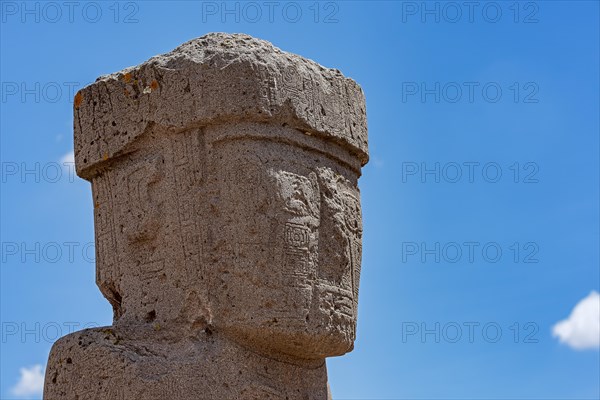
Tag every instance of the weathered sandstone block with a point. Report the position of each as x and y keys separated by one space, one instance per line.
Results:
x=228 y=225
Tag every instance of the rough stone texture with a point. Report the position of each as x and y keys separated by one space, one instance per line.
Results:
x=228 y=225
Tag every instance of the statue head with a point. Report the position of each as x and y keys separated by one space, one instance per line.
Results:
x=225 y=174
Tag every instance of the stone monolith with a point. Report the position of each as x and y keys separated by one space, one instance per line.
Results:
x=227 y=225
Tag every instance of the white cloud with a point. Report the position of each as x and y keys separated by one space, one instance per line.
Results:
x=582 y=329
x=31 y=382
x=68 y=158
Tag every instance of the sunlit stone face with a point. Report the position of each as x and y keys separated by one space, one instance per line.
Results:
x=285 y=238
x=241 y=232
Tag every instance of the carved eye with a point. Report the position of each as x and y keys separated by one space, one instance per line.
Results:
x=352 y=214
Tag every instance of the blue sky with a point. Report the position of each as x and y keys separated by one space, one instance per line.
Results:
x=480 y=202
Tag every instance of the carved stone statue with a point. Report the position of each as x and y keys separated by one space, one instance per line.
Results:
x=228 y=225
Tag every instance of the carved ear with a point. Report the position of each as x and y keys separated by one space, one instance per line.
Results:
x=143 y=214
x=139 y=181
x=352 y=214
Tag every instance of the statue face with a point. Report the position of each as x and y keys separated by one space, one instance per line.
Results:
x=258 y=239
x=285 y=248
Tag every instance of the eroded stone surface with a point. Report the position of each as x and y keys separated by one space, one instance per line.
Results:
x=228 y=225
x=216 y=78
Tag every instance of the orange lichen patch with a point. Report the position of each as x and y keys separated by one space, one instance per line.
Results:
x=154 y=85
x=78 y=100
x=105 y=156
x=126 y=92
x=96 y=205
x=127 y=77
